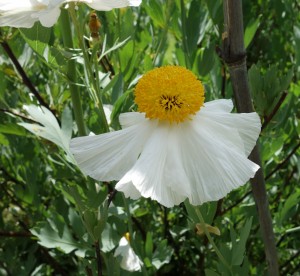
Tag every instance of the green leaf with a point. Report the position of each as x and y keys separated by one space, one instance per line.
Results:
x=239 y=247
x=10 y=128
x=162 y=254
x=49 y=238
x=38 y=38
x=289 y=204
x=250 y=30
x=155 y=11
x=149 y=245
x=209 y=272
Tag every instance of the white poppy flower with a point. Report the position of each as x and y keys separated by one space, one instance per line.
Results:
x=178 y=148
x=129 y=260
x=24 y=13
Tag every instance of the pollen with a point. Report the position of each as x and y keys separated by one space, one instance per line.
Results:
x=169 y=93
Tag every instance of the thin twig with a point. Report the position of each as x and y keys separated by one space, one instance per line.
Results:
x=288 y=262
x=11 y=234
x=274 y=111
x=281 y=164
x=236 y=203
x=98 y=256
x=24 y=76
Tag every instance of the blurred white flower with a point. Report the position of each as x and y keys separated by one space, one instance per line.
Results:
x=129 y=260
x=178 y=148
x=107 y=5
x=24 y=13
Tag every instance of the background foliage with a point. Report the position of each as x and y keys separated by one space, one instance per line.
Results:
x=51 y=214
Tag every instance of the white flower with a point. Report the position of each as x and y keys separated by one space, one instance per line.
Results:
x=129 y=260
x=107 y=5
x=24 y=13
x=179 y=148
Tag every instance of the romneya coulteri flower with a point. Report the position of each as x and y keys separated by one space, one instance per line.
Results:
x=177 y=146
x=129 y=260
x=24 y=13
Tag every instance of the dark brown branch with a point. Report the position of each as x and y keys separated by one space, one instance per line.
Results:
x=98 y=256
x=274 y=111
x=16 y=114
x=24 y=76
x=235 y=57
x=11 y=234
x=88 y=271
x=281 y=164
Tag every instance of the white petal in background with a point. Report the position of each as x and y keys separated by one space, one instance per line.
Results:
x=48 y=128
x=129 y=260
x=24 y=13
x=106 y=5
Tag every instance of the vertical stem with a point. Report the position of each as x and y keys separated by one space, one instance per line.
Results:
x=184 y=35
x=90 y=72
x=235 y=56
x=99 y=261
x=222 y=259
x=127 y=210
x=71 y=73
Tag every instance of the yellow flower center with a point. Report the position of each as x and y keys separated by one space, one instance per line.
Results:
x=169 y=93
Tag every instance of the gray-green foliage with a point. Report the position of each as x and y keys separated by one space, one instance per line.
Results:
x=52 y=215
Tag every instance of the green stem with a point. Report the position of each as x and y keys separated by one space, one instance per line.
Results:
x=127 y=210
x=71 y=73
x=222 y=259
x=95 y=85
x=184 y=35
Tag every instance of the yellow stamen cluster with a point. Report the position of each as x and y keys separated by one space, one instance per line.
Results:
x=169 y=93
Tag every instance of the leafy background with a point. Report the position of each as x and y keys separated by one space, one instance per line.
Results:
x=51 y=214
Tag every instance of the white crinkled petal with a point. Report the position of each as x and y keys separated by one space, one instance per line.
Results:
x=213 y=160
x=247 y=124
x=202 y=160
x=221 y=105
x=148 y=173
x=109 y=156
x=131 y=118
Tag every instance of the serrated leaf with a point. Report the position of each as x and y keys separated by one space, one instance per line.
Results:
x=50 y=239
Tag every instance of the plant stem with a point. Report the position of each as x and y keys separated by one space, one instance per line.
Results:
x=98 y=255
x=24 y=76
x=71 y=73
x=235 y=57
x=184 y=35
x=127 y=210
x=95 y=85
x=222 y=259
